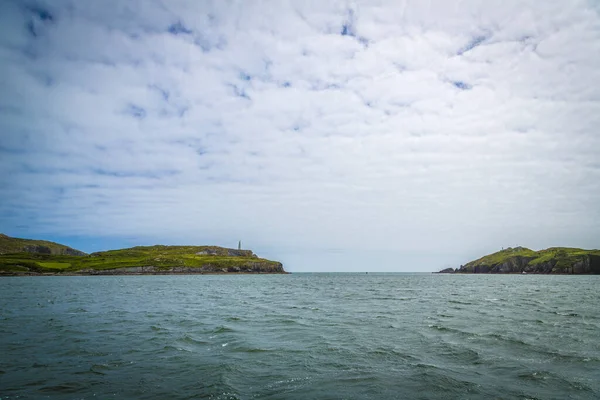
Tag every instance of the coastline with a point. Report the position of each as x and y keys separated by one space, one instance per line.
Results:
x=11 y=274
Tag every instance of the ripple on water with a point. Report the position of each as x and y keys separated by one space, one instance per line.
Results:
x=222 y=329
x=300 y=336
x=188 y=339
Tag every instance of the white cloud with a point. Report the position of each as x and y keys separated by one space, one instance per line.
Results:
x=416 y=134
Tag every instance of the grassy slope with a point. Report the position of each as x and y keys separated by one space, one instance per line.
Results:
x=157 y=256
x=502 y=256
x=11 y=245
x=565 y=256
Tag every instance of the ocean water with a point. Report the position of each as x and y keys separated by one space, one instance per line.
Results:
x=300 y=336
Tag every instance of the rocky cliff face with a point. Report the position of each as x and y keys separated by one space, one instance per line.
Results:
x=62 y=251
x=512 y=265
x=586 y=265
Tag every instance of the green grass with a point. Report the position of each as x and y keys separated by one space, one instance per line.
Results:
x=36 y=262
x=54 y=265
x=503 y=255
x=13 y=269
x=560 y=253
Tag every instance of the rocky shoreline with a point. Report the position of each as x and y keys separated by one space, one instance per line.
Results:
x=254 y=268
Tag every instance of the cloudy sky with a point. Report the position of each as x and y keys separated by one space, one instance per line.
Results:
x=333 y=136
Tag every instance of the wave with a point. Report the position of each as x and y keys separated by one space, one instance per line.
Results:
x=222 y=329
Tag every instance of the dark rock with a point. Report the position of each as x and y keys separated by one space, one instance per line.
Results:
x=41 y=249
x=250 y=267
x=37 y=249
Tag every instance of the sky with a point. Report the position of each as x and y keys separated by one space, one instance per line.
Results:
x=329 y=135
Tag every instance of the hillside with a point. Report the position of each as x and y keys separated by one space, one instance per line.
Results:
x=140 y=260
x=11 y=245
x=555 y=260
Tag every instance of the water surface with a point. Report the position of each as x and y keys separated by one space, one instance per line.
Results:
x=300 y=336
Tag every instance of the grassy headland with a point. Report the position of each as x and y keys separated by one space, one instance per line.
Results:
x=554 y=260
x=136 y=260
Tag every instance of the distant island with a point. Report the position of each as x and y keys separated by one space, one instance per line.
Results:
x=520 y=260
x=39 y=257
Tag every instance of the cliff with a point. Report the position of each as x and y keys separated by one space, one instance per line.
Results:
x=136 y=260
x=518 y=260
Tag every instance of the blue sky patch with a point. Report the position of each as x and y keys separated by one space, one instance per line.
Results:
x=42 y=14
x=476 y=41
x=346 y=30
x=136 y=111
x=461 y=85
x=179 y=29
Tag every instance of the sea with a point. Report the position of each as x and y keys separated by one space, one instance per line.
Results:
x=300 y=336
